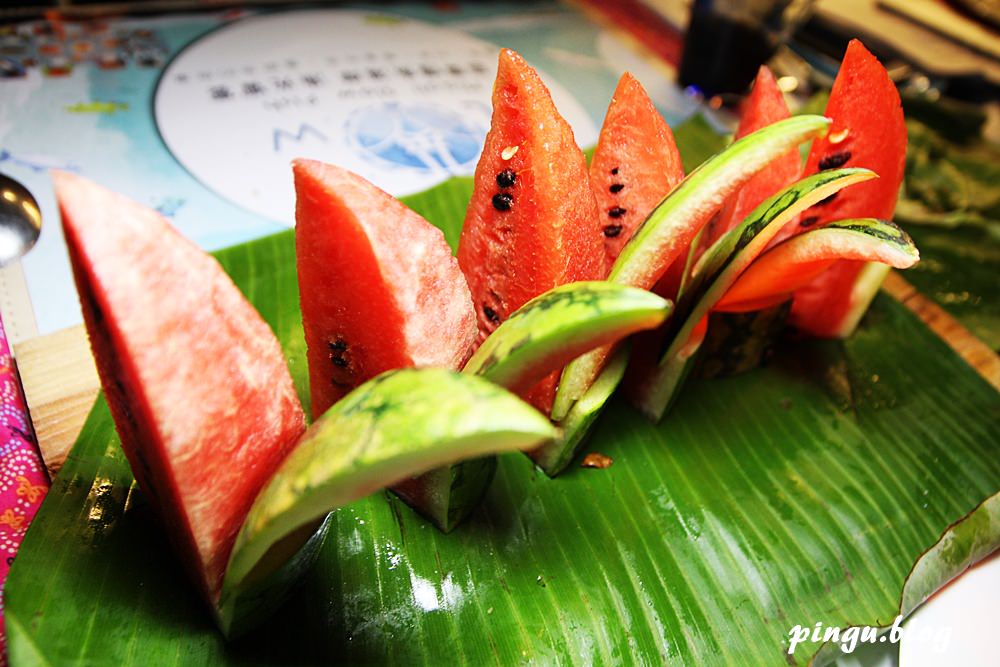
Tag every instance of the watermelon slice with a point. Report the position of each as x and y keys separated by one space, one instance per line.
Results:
x=403 y=300
x=669 y=229
x=764 y=105
x=635 y=164
x=532 y=223
x=196 y=382
x=868 y=131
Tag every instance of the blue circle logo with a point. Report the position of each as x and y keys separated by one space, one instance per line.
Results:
x=424 y=138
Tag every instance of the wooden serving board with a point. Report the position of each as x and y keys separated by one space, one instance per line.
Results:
x=61 y=383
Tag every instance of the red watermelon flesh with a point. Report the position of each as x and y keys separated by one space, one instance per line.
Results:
x=195 y=379
x=404 y=300
x=532 y=222
x=830 y=306
x=763 y=106
x=635 y=164
x=867 y=131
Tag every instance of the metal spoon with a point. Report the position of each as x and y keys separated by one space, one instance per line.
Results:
x=20 y=225
x=20 y=220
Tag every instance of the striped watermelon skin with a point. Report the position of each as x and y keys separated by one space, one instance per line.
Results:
x=868 y=131
x=199 y=390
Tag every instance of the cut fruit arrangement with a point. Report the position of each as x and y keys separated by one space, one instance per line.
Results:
x=417 y=358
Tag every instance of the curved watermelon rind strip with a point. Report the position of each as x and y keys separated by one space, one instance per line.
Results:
x=791 y=264
x=561 y=324
x=399 y=424
x=721 y=266
x=672 y=225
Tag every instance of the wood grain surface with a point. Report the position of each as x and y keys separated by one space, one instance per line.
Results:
x=60 y=384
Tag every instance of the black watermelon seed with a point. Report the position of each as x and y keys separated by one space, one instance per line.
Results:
x=612 y=231
x=506 y=178
x=491 y=314
x=616 y=188
x=502 y=201
x=616 y=211
x=124 y=401
x=614 y=172
x=834 y=160
x=828 y=199
x=809 y=222
x=338 y=353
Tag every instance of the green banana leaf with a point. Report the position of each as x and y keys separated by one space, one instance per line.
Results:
x=951 y=207
x=812 y=490
x=958 y=270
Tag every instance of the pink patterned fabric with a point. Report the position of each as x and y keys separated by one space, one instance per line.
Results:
x=23 y=478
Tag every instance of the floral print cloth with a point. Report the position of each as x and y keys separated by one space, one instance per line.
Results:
x=23 y=478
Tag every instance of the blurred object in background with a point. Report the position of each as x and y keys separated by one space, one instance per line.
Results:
x=937 y=48
x=78 y=9
x=972 y=31
x=728 y=40
x=919 y=40
x=987 y=11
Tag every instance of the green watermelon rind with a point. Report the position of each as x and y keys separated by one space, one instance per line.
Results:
x=880 y=242
x=723 y=263
x=866 y=285
x=446 y=496
x=569 y=319
x=398 y=424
